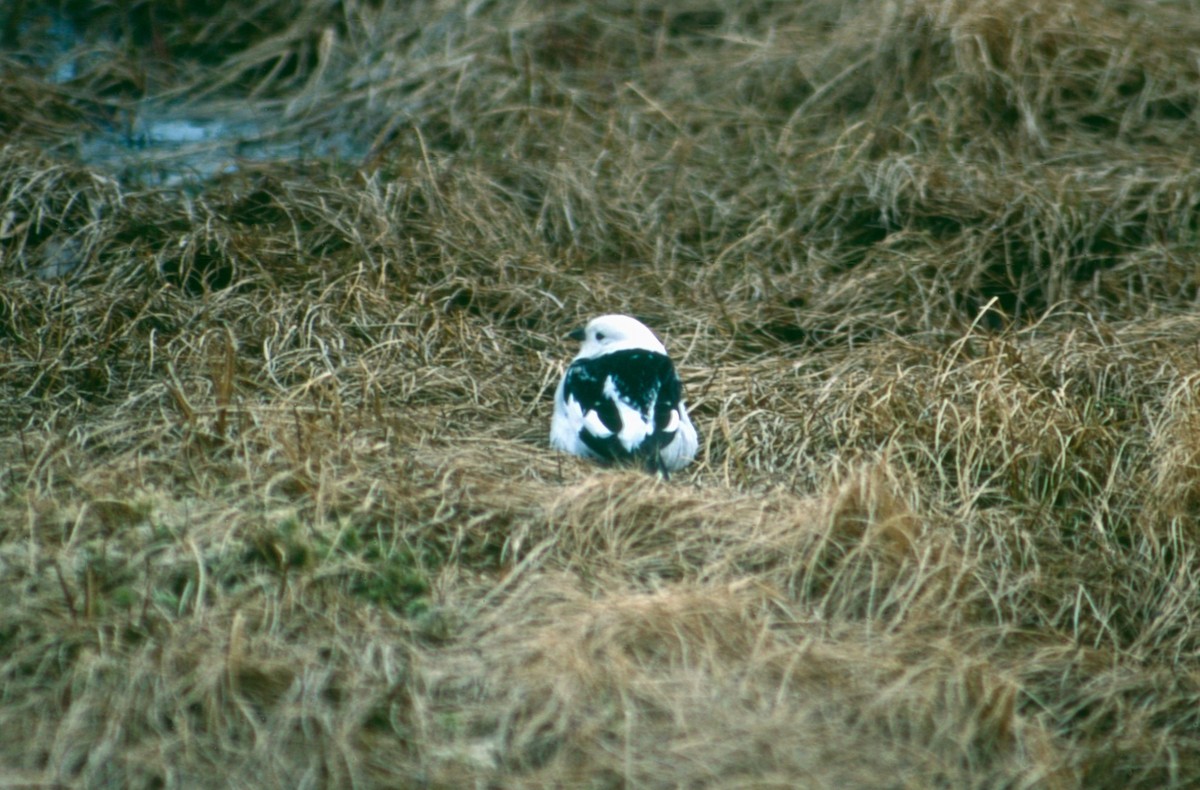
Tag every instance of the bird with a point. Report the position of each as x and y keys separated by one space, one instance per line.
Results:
x=620 y=401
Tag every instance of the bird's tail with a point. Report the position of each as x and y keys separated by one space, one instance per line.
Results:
x=655 y=464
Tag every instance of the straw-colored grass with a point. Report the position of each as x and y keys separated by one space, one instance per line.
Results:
x=278 y=507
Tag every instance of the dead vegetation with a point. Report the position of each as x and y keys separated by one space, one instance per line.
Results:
x=278 y=507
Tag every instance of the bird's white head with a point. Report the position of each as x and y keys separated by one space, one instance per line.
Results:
x=610 y=333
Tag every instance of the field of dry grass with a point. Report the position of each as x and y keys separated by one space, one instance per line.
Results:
x=277 y=507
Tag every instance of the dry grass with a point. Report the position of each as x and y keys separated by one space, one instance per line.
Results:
x=278 y=507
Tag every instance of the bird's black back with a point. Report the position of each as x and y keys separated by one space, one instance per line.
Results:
x=645 y=380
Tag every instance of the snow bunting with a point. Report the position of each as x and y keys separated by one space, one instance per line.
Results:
x=621 y=401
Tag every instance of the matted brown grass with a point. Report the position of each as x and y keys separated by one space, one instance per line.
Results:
x=278 y=507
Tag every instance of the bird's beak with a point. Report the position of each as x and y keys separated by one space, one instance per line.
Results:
x=576 y=335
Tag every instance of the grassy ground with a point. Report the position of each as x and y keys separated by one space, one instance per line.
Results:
x=278 y=507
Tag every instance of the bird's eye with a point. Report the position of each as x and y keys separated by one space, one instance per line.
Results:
x=599 y=335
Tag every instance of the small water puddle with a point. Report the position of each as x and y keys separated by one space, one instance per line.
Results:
x=159 y=143
x=169 y=147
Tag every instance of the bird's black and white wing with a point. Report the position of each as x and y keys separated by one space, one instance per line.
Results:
x=624 y=406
